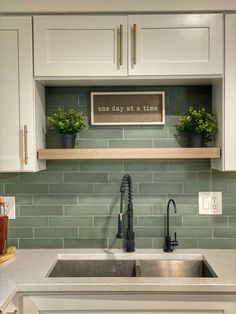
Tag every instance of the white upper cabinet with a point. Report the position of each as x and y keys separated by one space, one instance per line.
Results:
x=80 y=45
x=18 y=98
x=183 y=44
x=134 y=45
x=224 y=101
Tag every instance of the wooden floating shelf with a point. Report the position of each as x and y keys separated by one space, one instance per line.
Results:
x=129 y=153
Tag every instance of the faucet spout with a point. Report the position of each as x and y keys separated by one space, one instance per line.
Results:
x=169 y=243
x=128 y=234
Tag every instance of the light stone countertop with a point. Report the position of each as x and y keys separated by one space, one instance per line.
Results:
x=27 y=273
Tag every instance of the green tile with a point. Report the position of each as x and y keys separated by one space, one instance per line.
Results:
x=41 y=210
x=107 y=221
x=183 y=243
x=130 y=143
x=159 y=221
x=224 y=232
x=100 y=165
x=24 y=199
x=28 y=222
x=9 y=177
x=171 y=121
x=150 y=199
x=62 y=165
x=71 y=188
x=150 y=132
x=111 y=188
x=97 y=232
x=143 y=243
x=158 y=243
x=189 y=165
x=26 y=188
x=145 y=209
x=2 y=189
x=184 y=198
x=56 y=232
x=20 y=233
x=86 y=210
x=137 y=177
x=150 y=188
x=70 y=221
x=193 y=232
x=205 y=221
x=217 y=243
x=56 y=199
x=229 y=210
x=169 y=142
x=187 y=177
x=187 y=243
x=40 y=243
x=197 y=187
x=74 y=177
x=229 y=199
x=149 y=165
x=102 y=133
x=232 y=221
x=86 y=243
x=87 y=143
x=97 y=199
x=149 y=232
x=41 y=177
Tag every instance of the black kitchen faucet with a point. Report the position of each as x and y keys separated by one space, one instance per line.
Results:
x=126 y=233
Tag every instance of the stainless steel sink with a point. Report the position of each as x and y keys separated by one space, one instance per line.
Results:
x=132 y=268
x=176 y=268
x=94 y=268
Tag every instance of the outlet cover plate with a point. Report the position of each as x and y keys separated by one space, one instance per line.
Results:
x=210 y=203
x=10 y=206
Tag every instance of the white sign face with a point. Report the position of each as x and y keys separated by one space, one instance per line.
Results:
x=127 y=108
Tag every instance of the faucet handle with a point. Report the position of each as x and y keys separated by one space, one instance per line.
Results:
x=120 y=234
x=175 y=241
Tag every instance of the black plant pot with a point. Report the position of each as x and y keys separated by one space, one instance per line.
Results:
x=196 y=140
x=67 y=140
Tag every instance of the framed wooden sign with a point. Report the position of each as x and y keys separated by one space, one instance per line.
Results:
x=127 y=108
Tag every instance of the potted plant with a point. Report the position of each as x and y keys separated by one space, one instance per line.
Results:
x=199 y=126
x=67 y=123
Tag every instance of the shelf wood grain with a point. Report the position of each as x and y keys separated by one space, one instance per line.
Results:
x=129 y=153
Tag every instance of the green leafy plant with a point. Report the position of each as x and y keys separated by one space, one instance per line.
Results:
x=198 y=122
x=68 y=121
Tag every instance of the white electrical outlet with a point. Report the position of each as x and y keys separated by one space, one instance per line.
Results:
x=10 y=206
x=210 y=203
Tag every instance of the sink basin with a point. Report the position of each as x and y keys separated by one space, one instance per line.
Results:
x=132 y=268
x=94 y=268
x=175 y=268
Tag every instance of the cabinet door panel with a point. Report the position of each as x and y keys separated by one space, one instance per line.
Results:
x=16 y=101
x=185 y=44
x=127 y=304
x=80 y=45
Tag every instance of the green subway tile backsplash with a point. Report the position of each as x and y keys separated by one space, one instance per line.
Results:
x=74 y=204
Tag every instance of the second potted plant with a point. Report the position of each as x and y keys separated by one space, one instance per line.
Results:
x=199 y=126
x=67 y=124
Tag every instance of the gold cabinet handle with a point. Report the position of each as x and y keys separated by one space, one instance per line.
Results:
x=133 y=44
x=120 y=45
x=25 y=134
x=14 y=312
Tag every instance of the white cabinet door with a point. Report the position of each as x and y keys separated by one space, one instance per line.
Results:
x=184 y=44
x=224 y=101
x=128 y=304
x=80 y=46
x=17 y=96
